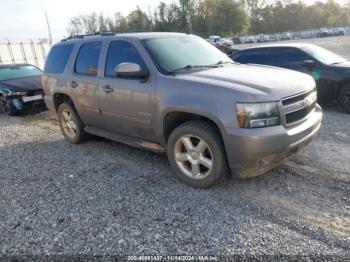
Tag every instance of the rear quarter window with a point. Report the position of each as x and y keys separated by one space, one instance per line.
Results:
x=238 y=57
x=57 y=59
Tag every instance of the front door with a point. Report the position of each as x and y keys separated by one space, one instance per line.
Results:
x=127 y=104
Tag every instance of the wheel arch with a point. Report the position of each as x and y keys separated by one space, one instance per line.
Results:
x=60 y=98
x=174 y=118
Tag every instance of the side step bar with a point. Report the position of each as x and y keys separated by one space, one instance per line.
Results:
x=128 y=140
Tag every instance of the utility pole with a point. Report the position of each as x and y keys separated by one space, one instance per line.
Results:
x=48 y=26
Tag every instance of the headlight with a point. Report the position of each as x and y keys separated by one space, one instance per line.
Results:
x=252 y=115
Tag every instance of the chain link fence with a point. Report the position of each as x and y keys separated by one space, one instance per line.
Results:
x=30 y=51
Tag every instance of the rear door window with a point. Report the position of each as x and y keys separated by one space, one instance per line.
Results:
x=285 y=55
x=121 y=52
x=57 y=59
x=255 y=57
x=88 y=57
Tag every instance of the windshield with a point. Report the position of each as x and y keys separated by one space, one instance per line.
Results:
x=323 y=55
x=188 y=51
x=13 y=72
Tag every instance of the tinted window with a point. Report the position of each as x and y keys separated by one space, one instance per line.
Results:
x=238 y=57
x=87 y=59
x=278 y=55
x=58 y=58
x=255 y=57
x=121 y=52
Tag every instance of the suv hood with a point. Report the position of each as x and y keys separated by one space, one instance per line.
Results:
x=265 y=83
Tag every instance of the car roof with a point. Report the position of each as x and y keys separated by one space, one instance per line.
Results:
x=138 y=36
x=295 y=45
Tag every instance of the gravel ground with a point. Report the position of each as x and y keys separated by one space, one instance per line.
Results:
x=104 y=198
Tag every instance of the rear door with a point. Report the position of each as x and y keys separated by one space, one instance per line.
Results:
x=127 y=104
x=83 y=82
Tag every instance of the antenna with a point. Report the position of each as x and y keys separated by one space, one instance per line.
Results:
x=48 y=26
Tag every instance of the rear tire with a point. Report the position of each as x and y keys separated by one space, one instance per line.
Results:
x=71 y=126
x=344 y=99
x=196 y=154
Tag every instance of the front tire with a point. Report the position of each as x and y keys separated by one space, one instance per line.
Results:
x=6 y=107
x=71 y=125
x=196 y=154
x=344 y=99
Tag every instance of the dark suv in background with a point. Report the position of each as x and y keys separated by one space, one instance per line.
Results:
x=330 y=71
x=177 y=93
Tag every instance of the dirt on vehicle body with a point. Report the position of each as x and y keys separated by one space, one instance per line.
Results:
x=208 y=113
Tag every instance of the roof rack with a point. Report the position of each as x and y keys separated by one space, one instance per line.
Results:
x=88 y=35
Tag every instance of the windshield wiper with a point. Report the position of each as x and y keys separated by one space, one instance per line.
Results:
x=192 y=67
x=224 y=62
x=221 y=63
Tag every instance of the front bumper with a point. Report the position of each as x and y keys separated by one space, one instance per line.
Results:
x=19 y=103
x=252 y=152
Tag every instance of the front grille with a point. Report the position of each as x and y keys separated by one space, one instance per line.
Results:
x=298 y=107
x=293 y=99
x=295 y=116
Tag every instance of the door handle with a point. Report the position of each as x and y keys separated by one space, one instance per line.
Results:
x=107 y=89
x=73 y=84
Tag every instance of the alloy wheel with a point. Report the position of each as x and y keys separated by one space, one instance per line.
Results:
x=193 y=156
x=68 y=124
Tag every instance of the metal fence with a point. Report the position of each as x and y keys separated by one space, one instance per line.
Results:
x=31 y=52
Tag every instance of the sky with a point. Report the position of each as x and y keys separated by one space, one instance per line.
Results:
x=23 y=19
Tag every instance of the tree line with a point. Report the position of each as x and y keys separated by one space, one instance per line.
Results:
x=218 y=17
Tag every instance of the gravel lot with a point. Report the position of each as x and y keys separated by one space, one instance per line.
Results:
x=104 y=198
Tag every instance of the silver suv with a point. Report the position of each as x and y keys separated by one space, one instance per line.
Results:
x=176 y=93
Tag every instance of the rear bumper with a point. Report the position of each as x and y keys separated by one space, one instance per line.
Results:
x=252 y=152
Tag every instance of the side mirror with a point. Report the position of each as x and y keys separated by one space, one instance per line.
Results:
x=309 y=64
x=131 y=70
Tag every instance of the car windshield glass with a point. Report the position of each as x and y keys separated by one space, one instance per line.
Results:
x=184 y=52
x=323 y=55
x=13 y=72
